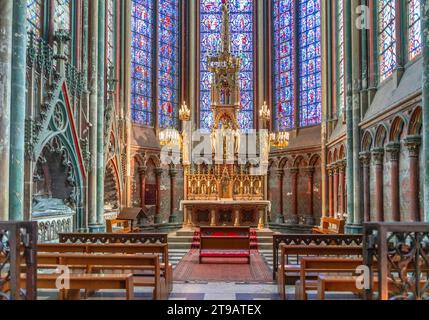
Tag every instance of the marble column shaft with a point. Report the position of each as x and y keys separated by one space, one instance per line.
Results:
x=336 y=183
x=413 y=144
x=365 y=158
x=18 y=110
x=101 y=82
x=330 y=191
x=93 y=114
x=158 y=175
x=393 y=151
x=6 y=18
x=378 y=156
x=294 y=180
x=425 y=96
x=142 y=173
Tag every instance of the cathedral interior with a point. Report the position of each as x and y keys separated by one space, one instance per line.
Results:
x=271 y=115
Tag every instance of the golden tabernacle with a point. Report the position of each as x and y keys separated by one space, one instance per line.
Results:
x=226 y=191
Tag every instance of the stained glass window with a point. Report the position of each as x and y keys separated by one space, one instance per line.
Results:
x=141 y=62
x=414 y=29
x=241 y=44
x=387 y=37
x=168 y=74
x=34 y=15
x=62 y=19
x=340 y=57
x=110 y=25
x=283 y=72
x=310 y=81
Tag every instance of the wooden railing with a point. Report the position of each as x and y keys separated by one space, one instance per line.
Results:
x=18 y=245
x=311 y=239
x=401 y=253
x=113 y=237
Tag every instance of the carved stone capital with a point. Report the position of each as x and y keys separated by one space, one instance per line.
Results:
x=378 y=155
x=365 y=158
x=330 y=170
x=142 y=170
x=309 y=172
x=173 y=172
x=413 y=144
x=293 y=171
x=158 y=172
x=393 y=150
x=280 y=173
x=342 y=165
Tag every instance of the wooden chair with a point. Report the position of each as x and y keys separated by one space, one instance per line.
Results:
x=330 y=226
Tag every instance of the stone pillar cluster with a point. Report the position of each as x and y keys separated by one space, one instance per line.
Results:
x=337 y=188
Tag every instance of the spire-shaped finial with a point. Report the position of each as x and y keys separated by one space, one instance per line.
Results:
x=226 y=42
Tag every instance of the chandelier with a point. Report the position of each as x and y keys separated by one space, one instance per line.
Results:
x=170 y=137
x=184 y=113
x=277 y=139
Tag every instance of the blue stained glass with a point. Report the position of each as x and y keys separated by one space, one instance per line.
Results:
x=168 y=75
x=310 y=68
x=387 y=37
x=283 y=72
x=34 y=14
x=141 y=62
x=414 y=29
x=241 y=41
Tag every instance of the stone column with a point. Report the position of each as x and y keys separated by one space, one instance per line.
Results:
x=393 y=150
x=158 y=175
x=173 y=207
x=335 y=200
x=378 y=156
x=280 y=176
x=413 y=144
x=18 y=108
x=365 y=158
x=262 y=220
x=293 y=219
x=6 y=18
x=93 y=116
x=236 y=217
x=309 y=219
x=213 y=217
x=330 y=190
x=142 y=175
x=424 y=5
x=100 y=111
x=342 y=187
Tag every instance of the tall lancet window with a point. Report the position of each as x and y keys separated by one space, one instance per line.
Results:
x=110 y=26
x=341 y=85
x=414 y=29
x=296 y=63
x=142 y=28
x=310 y=86
x=62 y=19
x=283 y=26
x=386 y=38
x=34 y=16
x=168 y=74
x=242 y=44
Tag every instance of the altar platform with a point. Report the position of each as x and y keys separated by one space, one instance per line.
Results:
x=226 y=212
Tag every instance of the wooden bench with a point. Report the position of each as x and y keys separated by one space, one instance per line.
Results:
x=292 y=271
x=129 y=248
x=225 y=242
x=314 y=265
x=90 y=261
x=311 y=240
x=330 y=226
x=87 y=282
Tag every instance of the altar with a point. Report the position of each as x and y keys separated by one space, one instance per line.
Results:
x=237 y=213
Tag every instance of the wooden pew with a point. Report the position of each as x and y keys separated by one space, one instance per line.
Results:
x=311 y=239
x=89 y=261
x=330 y=225
x=225 y=242
x=316 y=265
x=287 y=270
x=87 y=282
x=129 y=248
x=143 y=238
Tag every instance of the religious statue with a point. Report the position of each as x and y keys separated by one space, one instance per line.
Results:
x=237 y=141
